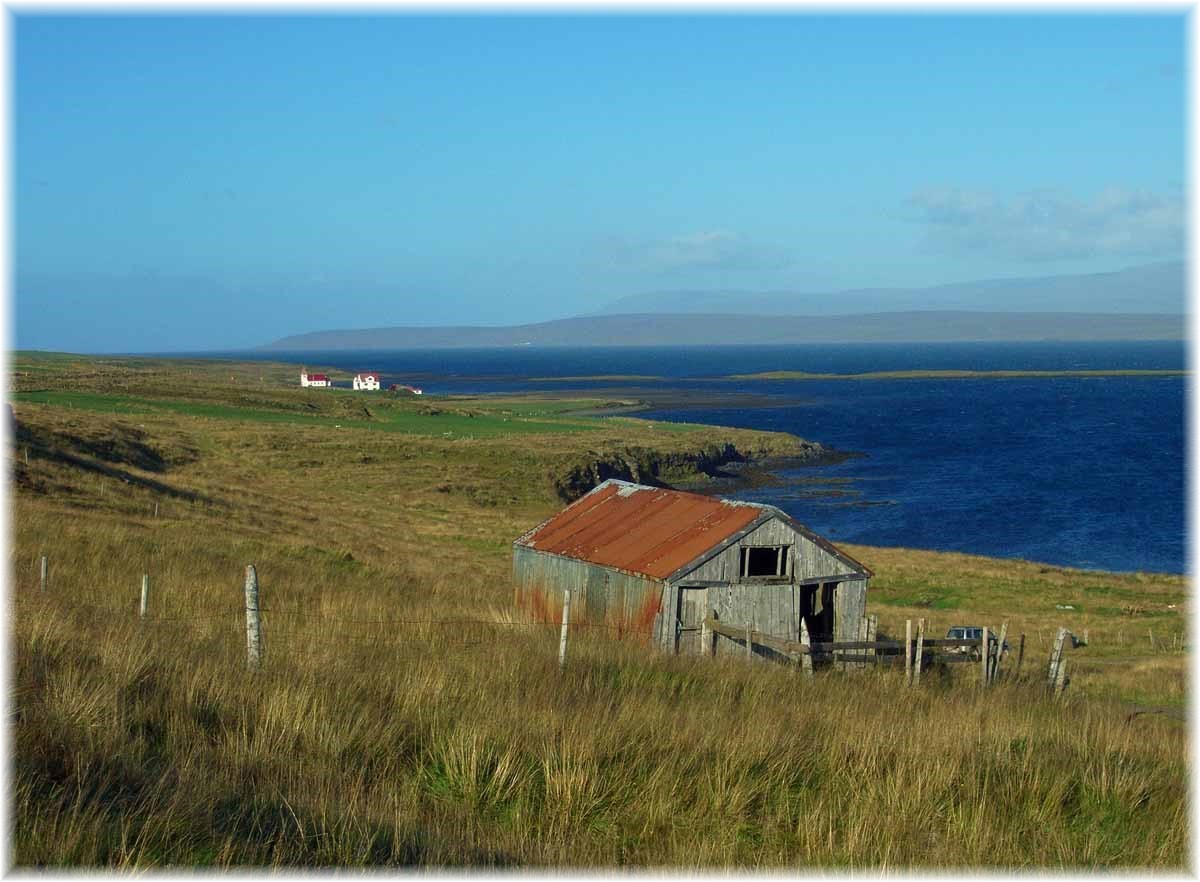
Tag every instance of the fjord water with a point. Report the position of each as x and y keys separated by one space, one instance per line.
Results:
x=1085 y=472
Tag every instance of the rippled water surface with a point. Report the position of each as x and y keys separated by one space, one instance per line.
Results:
x=1079 y=472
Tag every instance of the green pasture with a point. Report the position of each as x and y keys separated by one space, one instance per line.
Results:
x=384 y=419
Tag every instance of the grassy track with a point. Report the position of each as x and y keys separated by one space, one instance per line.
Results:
x=406 y=715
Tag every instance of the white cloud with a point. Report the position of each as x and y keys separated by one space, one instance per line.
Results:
x=1050 y=224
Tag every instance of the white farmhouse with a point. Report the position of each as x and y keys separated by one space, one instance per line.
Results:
x=367 y=381
x=307 y=379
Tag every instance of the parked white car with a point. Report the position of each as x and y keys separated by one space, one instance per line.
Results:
x=971 y=632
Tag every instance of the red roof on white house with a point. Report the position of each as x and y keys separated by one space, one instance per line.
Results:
x=312 y=377
x=371 y=374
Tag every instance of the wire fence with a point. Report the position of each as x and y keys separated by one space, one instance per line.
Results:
x=314 y=628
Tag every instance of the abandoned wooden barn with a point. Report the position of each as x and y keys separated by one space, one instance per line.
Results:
x=652 y=563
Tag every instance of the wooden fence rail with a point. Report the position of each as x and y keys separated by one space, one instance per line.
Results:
x=791 y=647
x=988 y=650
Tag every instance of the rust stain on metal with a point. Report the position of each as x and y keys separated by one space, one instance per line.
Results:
x=644 y=530
x=545 y=605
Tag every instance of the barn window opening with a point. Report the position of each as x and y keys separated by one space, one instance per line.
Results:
x=764 y=561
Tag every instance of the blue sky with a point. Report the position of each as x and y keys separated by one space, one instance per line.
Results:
x=217 y=182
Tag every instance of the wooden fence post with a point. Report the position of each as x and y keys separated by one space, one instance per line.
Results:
x=562 y=640
x=253 y=623
x=1020 y=656
x=156 y=509
x=908 y=652
x=145 y=604
x=806 y=659
x=45 y=571
x=916 y=680
x=1056 y=658
x=1060 y=678
x=749 y=641
x=985 y=656
x=872 y=632
x=999 y=651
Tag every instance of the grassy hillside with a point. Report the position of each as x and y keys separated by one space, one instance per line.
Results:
x=407 y=715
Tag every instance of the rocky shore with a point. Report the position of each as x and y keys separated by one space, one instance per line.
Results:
x=717 y=467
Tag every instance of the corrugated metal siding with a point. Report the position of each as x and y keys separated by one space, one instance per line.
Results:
x=628 y=605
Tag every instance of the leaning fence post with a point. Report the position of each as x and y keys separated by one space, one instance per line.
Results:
x=562 y=640
x=145 y=604
x=45 y=571
x=1060 y=678
x=749 y=640
x=999 y=651
x=806 y=659
x=908 y=652
x=1020 y=657
x=1056 y=657
x=253 y=623
x=920 y=652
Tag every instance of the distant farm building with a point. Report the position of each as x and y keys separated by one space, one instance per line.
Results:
x=396 y=388
x=369 y=382
x=307 y=379
x=654 y=563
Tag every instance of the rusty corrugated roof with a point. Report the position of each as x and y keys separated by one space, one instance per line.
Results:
x=654 y=532
x=645 y=530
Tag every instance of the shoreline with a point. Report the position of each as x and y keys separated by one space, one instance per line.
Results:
x=260 y=394
x=963 y=374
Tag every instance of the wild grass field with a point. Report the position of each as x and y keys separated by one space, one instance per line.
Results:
x=406 y=715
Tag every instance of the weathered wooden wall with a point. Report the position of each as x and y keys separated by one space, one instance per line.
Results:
x=849 y=606
x=774 y=607
x=809 y=561
x=628 y=605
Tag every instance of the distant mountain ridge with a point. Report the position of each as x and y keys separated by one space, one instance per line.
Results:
x=1154 y=288
x=717 y=329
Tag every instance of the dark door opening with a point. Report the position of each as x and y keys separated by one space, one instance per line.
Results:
x=816 y=610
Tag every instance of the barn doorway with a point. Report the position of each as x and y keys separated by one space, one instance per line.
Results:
x=689 y=619
x=816 y=610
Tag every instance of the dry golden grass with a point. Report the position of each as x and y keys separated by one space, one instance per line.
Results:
x=373 y=736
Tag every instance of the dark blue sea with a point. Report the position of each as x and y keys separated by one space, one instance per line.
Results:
x=1078 y=472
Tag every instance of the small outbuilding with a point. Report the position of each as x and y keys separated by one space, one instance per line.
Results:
x=652 y=564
